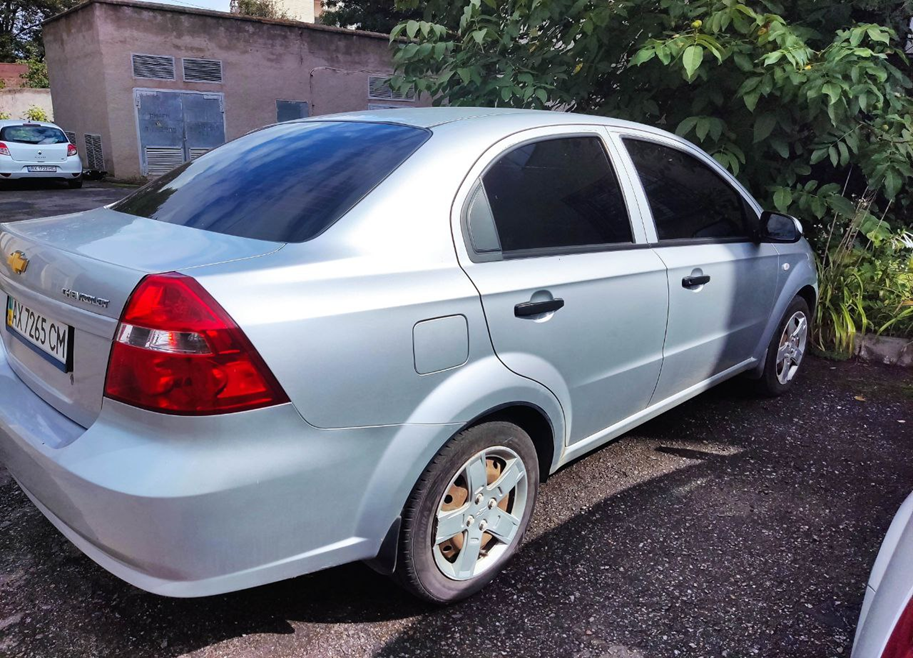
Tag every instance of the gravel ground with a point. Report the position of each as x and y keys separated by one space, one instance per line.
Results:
x=731 y=526
x=29 y=199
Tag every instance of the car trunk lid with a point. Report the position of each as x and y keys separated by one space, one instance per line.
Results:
x=80 y=273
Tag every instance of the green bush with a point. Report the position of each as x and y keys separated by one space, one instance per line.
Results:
x=810 y=109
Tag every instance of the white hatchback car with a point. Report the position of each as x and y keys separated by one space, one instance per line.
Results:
x=35 y=149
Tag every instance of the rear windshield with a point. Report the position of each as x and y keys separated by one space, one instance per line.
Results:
x=286 y=183
x=32 y=135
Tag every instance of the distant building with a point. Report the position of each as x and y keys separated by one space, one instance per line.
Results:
x=15 y=98
x=143 y=87
x=306 y=11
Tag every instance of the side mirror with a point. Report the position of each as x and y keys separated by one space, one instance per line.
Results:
x=776 y=227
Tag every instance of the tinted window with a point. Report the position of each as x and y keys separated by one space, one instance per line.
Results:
x=557 y=193
x=286 y=183
x=32 y=135
x=687 y=198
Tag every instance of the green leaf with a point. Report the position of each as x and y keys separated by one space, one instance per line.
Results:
x=412 y=29
x=691 y=59
x=465 y=75
x=751 y=100
x=892 y=183
x=703 y=127
x=841 y=205
x=506 y=93
x=685 y=126
x=439 y=50
x=479 y=35
x=818 y=155
x=542 y=95
x=780 y=146
x=832 y=90
x=643 y=55
x=834 y=155
x=743 y=61
x=782 y=199
x=763 y=126
x=877 y=34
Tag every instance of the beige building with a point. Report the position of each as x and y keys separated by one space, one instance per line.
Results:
x=143 y=87
x=306 y=11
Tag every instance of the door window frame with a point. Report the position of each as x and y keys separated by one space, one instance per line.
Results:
x=618 y=135
x=522 y=138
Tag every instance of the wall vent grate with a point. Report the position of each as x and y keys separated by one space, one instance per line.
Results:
x=162 y=159
x=196 y=153
x=70 y=136
x=379 y=89
x=153 y=67
x=95 y=158
x=202 y=70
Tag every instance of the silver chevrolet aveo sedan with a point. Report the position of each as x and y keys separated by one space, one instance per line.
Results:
x=371 y=336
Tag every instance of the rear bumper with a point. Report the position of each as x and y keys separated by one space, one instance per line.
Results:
x=13 y=170
x=198 y=506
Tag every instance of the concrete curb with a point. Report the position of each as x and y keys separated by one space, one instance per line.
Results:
x=885 y=349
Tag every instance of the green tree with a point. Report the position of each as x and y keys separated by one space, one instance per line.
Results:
x=258 y=9
x=37 y=75
x=372 y=15
x=791 y=107
x=20 y=26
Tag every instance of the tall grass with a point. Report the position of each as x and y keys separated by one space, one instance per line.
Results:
x=865 y=278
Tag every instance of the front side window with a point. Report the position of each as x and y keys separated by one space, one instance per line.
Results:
x=285 y=183
x=555 y=194
x=38 y=135
x=689 y=200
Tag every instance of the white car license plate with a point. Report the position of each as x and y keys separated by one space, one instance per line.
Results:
x=50 y=338
x=35 y=170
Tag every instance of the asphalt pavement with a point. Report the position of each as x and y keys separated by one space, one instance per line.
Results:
x=732 y=526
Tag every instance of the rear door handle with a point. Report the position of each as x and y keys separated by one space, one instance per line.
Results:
x=695 y=281
x=537 y=308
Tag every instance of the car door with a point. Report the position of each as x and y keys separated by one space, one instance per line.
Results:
x=722 y=281
x=573 y=297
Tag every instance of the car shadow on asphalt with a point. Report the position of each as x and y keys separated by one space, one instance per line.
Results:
x=711 y=527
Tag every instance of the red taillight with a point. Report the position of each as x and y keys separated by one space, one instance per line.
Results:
x=71 y=150
x=177 y=351
x=4 y=149
x=900 y=645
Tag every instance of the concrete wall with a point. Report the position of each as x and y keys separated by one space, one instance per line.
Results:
x=11 y=75
x=16 y=102
x=77 y=76
x=262 y=61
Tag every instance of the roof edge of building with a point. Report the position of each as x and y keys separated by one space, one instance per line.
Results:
x=154 y=6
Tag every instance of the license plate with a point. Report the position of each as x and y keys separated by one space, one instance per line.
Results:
x=50 y=338
x=35 y=170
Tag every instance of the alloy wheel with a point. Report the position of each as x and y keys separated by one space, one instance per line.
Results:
x=479 y=514
x=792 y=347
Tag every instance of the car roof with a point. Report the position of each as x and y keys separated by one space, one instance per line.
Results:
x=480 y=124
x=26 y=122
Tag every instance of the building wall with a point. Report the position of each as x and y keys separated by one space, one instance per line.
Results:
x=16 y=102
x=262 y=62
x=77 y=76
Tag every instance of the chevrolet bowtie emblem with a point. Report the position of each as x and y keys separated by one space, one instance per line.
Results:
x=18 y=262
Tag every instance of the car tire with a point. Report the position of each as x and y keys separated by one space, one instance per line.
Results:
x=452 y=491
x=74 y=184
x=787 y=349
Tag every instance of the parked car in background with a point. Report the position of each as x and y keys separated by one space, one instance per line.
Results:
x=370 y=336
x=37 y=149
x=885 y=627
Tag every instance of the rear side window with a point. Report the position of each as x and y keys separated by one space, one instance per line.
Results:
x=555 y=194
x=286 y=183
x=39 y=135
x=689 y=200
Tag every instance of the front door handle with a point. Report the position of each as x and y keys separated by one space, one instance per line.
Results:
x=537 y=308
x=695 y=281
